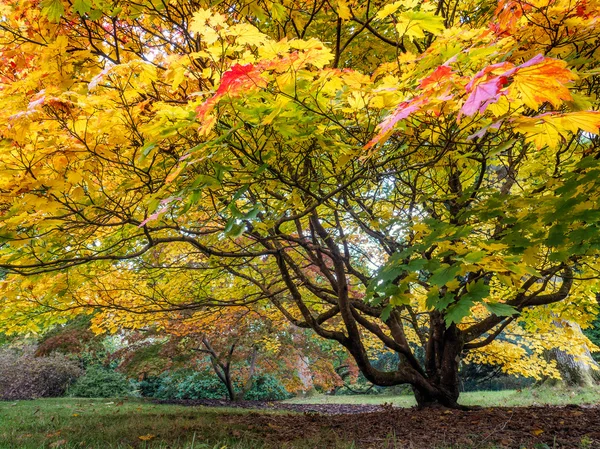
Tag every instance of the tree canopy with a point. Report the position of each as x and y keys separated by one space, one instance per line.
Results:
x=420 y=176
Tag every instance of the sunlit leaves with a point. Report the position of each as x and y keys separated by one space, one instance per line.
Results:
x=82 y=7
x=53 y=9
x=414 y=24
x=449 y=156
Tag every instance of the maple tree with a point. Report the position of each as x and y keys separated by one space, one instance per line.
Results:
x=403 y=175
x=236 y=344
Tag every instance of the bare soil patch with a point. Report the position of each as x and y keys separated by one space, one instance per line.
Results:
x=377 y=427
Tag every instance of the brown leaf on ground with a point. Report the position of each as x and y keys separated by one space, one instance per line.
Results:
x=381 y=428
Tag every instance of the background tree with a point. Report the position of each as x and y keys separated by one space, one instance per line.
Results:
x=426 y=179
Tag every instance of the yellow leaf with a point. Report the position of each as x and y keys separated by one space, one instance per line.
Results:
x=199 y=20
x=388 y=10
x=543 y=82
x=147 y=437
x=574 y=121
x=247 y=34
x=415 y=24
x=343 y=10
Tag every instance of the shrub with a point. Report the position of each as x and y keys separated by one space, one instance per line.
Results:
x=186 y=385
x=148 y=387
x=201 y=385
x=24 y=376
x=205 y=385
x=101 y=382
x=267 y=388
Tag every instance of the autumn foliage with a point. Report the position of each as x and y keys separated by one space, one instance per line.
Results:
x=416 y=176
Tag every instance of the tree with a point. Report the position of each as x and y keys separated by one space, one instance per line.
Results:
x=166 y=329
x=423 y=175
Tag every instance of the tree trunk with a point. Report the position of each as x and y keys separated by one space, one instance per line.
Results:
x=250 y=380
x=442 y=359
x=575 y=373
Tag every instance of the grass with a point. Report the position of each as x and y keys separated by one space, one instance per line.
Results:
x=68 y=423
x=506 y=398
x=71 y=423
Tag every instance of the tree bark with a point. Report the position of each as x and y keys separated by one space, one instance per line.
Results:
x=442 y=359
x=574 y=372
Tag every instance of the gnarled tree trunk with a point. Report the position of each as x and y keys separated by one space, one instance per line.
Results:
x=442 y=359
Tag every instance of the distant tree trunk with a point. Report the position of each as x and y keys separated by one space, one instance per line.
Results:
x=250 y=380
x=574 y=372
x=304 y=374
x=221 y=364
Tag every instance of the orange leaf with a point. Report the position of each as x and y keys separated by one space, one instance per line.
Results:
x=442 y=73
x=543 y=82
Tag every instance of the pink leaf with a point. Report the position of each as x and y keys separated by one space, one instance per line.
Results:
x=152 y=217
x=403 y=110
x=483 y=95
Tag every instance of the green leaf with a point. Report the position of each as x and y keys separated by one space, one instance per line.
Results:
x=500 y=309
x=474 y=256
x=386 y=312
x=438 y=303
x=417 y=264
x=236 y=230
x=556 y=236
x=240 y=193
x=82 y=7
x=445 y=274
x=251 y=214
x=95 y=14
x=193 y=199
x=53 y=9
x=477 y=291
x=146 y=149
x=456 y=312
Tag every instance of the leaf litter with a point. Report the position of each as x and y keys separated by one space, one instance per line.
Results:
x=372 y=426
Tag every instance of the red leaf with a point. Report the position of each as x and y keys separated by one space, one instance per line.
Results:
x=488 y=92
x=440 y=74
x=235 y=77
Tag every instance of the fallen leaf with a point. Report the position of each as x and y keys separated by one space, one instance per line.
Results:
x=146 y=437
x=537 y=432
x=58 y=443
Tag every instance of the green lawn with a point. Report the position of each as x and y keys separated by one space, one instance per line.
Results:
x=506 y=398
x=68 y=423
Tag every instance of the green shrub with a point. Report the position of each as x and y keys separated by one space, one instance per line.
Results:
x=267 y=388
x=205 y=385
x=149 y=386
x=101 y=382
x=187 y=385
x=201 y=385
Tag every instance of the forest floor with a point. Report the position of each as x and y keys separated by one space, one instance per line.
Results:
x=69 y=423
